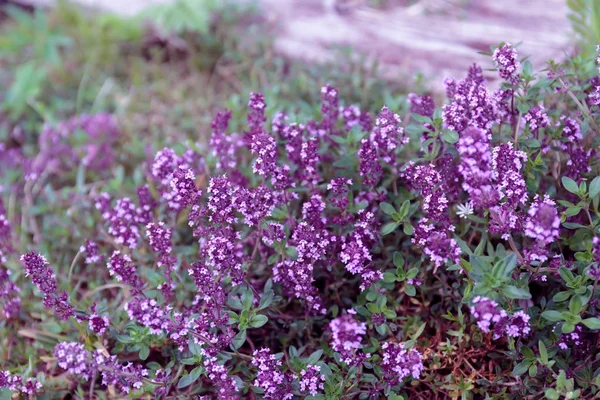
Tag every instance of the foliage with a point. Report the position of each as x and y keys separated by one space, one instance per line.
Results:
x=585 y=21
x=350 y=243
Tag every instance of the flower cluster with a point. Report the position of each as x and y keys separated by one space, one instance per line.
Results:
x=433 y=233
x=285 y=224
x=472 y=104
x=42 y=276
x=269 y=379
x=398 y=363
x=507 y=62
x=490 y=316
x=9 y=295
x=94 y=137
x=542 y=225
x=27 y=386
x=311 y=380
x=347 y=335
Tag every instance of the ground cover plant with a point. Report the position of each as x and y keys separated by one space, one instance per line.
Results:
x=330 y=246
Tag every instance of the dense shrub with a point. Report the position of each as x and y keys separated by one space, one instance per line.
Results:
x=417 y=253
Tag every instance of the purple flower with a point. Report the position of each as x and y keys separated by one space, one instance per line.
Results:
x=58 y=153
x=487 y=312
x=125 y=378
x=221 y=200
x=121 y=267
x=388 y=135
x=255 y=204
x=579 y=158
x=183 y=191
x=347 y=335
x=504 y=221
x=60 y=304
x=297 y=279
x=275 y=384
x=29 y=386
x=353 y=116
x=274 y=233
x=223 y=146
x=92 y=252
x=543 y=222
x=422 y=105
x=472 y=104
x=264 y=147
x=369 y=167
x=329 y=108
x=165 y=162
x=398 y=363
x=518 y=325
x=209 y=289
x=98 y=324
x=475 y=167
x=256 y=115
x=9 y=295
x=42 y=276
x=147 y=205
x=506 y=171
x=506 y=60
x=311 y=380
x=122 y=224
x=536 y=118
x=148 y=313
x=75 y=359
x=309 y=161
x=339 y=188
x=159 y=237
x=437 y=243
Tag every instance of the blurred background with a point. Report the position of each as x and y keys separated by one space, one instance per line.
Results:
x=163 y=66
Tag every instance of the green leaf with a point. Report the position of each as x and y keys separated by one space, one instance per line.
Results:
x=412 y=273
x=144 y=352
x=561 y=296
x=408 y=229
x=192 y=377
x=505 y=267
x=527 y=68
x=266 y=300
x=533 y=370
x=374 y=308
x=450 y=137
x=389 y=228
x=410 y=290
x=552 y=315
x=387 y=208
x=398 y=260
x=566 y=275
x=315 y=357
x=521 y=367
x=575 y=305
x=419 y=331
x=513 y=292
x=404 y=209
x=258 y=321
x=567 y=327
x=570 y=185
x=421 y=118
x=195 y=348
x=239 y=340
x=389 y=277
x=592 y=323
x=543 y=352
x=551 y=394
x=595 y=187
